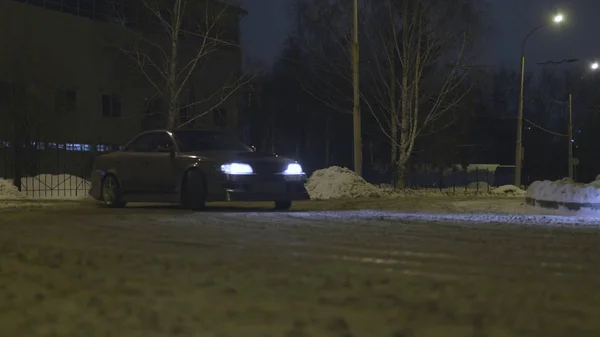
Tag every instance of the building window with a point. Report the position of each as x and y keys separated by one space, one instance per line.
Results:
x=65 y=101
x=184 y=115
x=111 y=106
x=220 y=117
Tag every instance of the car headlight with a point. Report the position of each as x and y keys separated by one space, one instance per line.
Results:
x=236 y=169
x=293 y=168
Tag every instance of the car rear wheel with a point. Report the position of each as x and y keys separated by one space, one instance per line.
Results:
x=194 y=195
x=283 y=205
x=111 y=192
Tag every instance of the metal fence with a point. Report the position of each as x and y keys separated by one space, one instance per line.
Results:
x=52 y=170
x=62 y=170
x=453 y=180
x=461 y=181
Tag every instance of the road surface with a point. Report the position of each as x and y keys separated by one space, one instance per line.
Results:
x=161 y=271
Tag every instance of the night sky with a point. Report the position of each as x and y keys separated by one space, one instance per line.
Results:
x=267 y=25
x=265 y=28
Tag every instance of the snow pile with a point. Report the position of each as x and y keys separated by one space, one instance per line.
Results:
x=8 y=190
x=508 y=190
x=339 y=182
x=46 y=186
x=565 y=191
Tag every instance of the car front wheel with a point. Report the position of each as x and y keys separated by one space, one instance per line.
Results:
x=283 y=205
x=111 y=192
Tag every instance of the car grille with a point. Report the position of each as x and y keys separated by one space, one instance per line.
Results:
x=268 y=168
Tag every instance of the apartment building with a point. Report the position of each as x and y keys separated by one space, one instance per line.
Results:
x=74 y=53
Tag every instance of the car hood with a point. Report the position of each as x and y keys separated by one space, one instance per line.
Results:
x=243 y=157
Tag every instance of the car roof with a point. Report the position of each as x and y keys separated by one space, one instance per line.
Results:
x=180 y=131
x=208 y=131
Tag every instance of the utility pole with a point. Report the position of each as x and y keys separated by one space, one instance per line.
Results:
x=519 y=149
x=570 y=133
x=356 y=108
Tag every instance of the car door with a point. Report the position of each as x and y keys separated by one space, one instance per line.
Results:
x=132 y=165
x=160 y=164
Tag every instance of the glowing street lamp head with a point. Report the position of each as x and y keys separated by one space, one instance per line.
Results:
x=595 y=66
x=558 y=18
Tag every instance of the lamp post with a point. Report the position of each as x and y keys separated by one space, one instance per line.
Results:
x=519 y=148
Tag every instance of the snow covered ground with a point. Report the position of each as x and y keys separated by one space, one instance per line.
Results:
x=151 y=271
x=361 y=261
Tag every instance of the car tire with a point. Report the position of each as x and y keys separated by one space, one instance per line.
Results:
x=283 y=205
x=112 y=195
x=194 y=195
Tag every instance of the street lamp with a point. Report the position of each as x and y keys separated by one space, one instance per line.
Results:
x=594 y=66
x=558 y=18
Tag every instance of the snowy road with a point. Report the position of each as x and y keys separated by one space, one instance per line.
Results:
x=88 y=271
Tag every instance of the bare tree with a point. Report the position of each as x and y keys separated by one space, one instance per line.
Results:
x=413 y=70
x=178 y=44
x=418 y=68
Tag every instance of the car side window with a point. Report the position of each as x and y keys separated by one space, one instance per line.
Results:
x=152 y=142
x=163 y=142
x=141 y=144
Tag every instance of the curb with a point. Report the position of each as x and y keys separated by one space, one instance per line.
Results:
x=571 y=206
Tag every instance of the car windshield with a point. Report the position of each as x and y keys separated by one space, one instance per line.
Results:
x=196 y=140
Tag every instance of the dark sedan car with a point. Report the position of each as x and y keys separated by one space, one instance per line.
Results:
x=193 y=167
